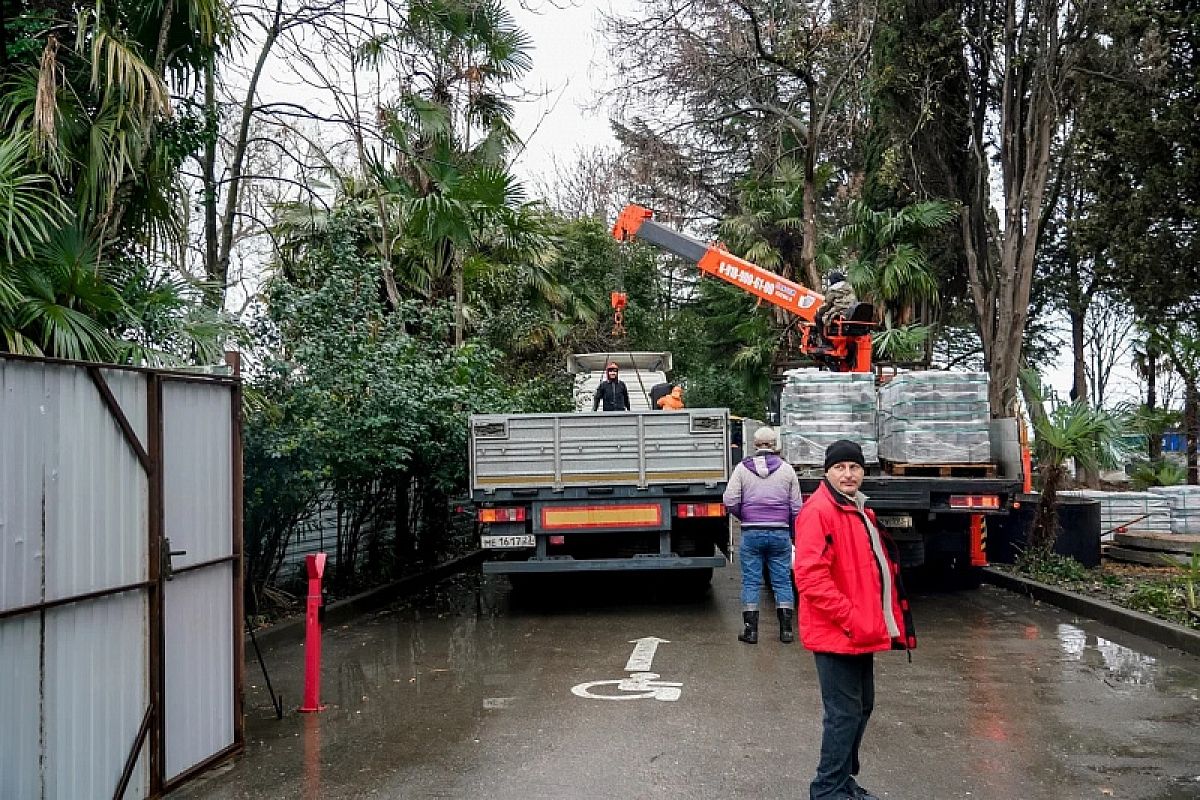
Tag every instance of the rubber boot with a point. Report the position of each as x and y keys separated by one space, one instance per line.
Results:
x=750 y=634
x=786 y=634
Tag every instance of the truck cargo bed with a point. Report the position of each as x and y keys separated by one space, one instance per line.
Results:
x=529 y=454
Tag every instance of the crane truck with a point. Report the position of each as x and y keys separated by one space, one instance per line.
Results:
x=606 y=491
x=938 y=518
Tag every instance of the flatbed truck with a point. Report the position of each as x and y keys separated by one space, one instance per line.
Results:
x=605 y=491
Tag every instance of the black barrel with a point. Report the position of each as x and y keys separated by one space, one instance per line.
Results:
x=1078 y=530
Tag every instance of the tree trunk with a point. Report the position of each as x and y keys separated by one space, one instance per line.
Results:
x=459 y=320
x=1191 y=416
x=1045 y=526
x=213 y=296
x=402 y=542
x=1155 y=439
x=218 y=271
x=808 y=248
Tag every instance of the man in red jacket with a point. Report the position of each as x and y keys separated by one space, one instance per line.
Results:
x=851 y=606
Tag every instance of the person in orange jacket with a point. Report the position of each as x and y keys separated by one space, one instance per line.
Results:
x=852 y=605
x=672 y=401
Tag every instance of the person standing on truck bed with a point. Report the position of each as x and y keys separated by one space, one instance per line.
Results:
x=611 y=392
x=851 y=606
x=764 y=493
x=673 y=401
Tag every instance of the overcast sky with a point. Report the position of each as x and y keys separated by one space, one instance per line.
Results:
x=569 y=69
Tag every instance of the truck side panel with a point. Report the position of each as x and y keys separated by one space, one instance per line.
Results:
x=531 y=451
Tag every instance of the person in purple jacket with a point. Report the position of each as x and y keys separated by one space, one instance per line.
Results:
x=764 y=494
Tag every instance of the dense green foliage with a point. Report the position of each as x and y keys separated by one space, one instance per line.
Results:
x=404 y=277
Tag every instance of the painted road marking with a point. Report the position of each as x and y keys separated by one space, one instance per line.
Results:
x=638 y=686
x=643 y=653
x=641 y=683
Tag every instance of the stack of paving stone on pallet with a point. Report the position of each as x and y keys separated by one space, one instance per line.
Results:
x=1185 y=524
x=935 y=417
x=817 y=408
x=1185 y=507
x=1133 y=511
x=1139 y=525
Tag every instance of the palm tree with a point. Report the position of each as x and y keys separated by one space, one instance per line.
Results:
x=29 y=210
x=90 y=123
x=449 y=187
x=887 y=265
x=769 y=228
x=1091 y=437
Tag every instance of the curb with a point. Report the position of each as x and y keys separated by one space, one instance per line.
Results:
x=356 y=605
x=1153 y=628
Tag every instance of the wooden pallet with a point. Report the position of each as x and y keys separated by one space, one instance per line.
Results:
x=940 y=470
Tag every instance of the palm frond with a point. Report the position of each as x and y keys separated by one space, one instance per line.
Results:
x=29 y=206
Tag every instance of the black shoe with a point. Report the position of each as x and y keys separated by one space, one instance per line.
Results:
x=862 y=794
x=786 y=634
x=749 y=634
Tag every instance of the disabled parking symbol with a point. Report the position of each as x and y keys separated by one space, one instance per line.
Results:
x=640 y=684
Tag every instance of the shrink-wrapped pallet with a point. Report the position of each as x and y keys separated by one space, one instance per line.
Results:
x=818 y=408
x=1138 y=512
x=935 y=417
x=1185 y=507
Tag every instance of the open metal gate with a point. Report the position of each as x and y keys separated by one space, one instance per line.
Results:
x=120 y=578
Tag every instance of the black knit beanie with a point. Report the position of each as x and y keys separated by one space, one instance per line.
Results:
x=844 y=450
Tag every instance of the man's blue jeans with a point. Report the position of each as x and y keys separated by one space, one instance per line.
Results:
x=848 y=696
x=773 y=547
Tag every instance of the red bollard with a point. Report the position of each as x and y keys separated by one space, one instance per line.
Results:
x=312 y=635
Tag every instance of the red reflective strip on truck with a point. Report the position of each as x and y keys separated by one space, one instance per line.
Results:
x=978 y=541
x=641 y=515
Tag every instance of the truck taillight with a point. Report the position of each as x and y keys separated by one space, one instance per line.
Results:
x=974 y=501
x=692 y=510
x=514 y=514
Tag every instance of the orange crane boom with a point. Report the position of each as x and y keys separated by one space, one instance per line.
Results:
x=637 y=221
x=844 y=345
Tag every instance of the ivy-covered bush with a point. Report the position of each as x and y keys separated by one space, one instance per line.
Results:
x=362 y=408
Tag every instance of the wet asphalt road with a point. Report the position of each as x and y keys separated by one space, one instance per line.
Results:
x=466 y=693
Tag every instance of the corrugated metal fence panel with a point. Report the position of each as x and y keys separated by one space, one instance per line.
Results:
x=24 y=425
x=73 y=519
x=317 y=534
x=20 y=707
x=97 y=494
x=199 y=666
x=197 y=606
x=96 y=694
x=197 y=478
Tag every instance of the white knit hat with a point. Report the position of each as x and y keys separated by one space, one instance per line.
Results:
x=766 y=439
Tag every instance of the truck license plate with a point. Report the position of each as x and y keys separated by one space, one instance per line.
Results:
x=502 y=542
x=896 y=521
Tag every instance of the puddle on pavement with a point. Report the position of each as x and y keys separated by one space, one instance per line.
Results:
x=1122 y=663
